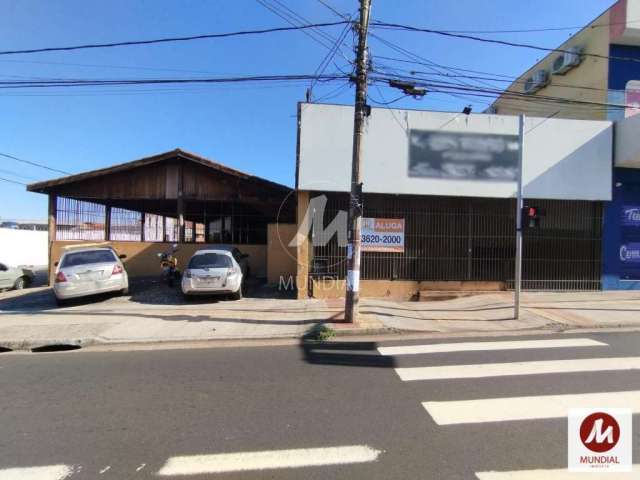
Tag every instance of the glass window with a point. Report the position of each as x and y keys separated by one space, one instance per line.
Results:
x=210 y=260
x=86 y=258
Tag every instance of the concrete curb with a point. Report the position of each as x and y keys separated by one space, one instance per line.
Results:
x=385 y=333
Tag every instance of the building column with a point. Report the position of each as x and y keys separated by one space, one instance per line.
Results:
x=107 y=223
x=53 y=212
x=180 y=220
x=142 y=220
x=303 y=251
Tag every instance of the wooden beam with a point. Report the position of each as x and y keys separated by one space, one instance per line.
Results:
x=180 y=203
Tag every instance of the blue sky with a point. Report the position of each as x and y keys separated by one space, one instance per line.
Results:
x=251 y=128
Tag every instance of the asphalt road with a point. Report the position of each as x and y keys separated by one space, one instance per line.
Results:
x=122 y=415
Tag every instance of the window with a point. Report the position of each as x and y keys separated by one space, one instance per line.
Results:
x=210 y=260
x=86 y=258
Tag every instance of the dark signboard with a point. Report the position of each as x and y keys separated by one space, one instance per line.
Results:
x=464 y=156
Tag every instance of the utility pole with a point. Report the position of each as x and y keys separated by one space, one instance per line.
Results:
x=355 y=200
x=519 y=205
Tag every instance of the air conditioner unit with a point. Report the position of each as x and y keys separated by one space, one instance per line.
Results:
x=566 y=61
x=534 y=83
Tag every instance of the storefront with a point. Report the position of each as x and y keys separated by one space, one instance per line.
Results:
x=439 y=204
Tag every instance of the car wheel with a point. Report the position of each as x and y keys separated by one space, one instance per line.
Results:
x=237 y=295
x=60 y=302
x=124 y=291
x=20 y=283
x=186 y=297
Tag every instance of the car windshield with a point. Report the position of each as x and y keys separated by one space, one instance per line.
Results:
x=88 y=257
x=210 y=260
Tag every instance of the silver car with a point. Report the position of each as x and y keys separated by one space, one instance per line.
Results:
x=17 y=278
x=89 y=271
x=212 y=271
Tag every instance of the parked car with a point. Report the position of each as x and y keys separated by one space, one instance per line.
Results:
x=213 y=271
x=241 y=258
x=89 y=271
x=15 y=277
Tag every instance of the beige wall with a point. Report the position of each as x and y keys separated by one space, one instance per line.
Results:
x=398 y=289
x=303 y=251
x=142 y=260
x=592 y=73
x=281 y=258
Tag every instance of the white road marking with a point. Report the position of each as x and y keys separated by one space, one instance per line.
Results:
x=482 y=346
x=48 y=472
x=526 y=408
x=105 y=469
x=142 y=465
x=269 y=459
x=482 y=370
x=559 y=474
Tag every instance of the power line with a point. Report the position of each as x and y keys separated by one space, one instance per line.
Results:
x=12 y=181
x=540 y=29
x=171 y=39
x=163 y=81
x=35 y=164
x=499 y=42
x=327 y=59
x=447 y=86
x=17 y=174
x=333 y=9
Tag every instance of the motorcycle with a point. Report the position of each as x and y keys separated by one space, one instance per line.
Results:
x=169 y=265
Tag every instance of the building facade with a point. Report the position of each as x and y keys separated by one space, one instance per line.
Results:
x=439 y=201
x=601 y=81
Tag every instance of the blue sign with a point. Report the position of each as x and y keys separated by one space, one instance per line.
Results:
x=630 y=215
x=630 y=252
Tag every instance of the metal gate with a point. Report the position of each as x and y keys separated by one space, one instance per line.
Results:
x=459 y=238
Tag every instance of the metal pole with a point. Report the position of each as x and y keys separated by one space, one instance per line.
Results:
x=519 y=205
x=355 y=201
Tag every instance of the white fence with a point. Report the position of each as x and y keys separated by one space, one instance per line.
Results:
x=23 y=247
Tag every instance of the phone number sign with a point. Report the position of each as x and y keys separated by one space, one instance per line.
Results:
x=382 y=235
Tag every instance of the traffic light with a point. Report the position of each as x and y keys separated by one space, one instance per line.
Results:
x=531 y=216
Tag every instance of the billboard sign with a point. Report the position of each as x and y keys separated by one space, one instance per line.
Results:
x=463 y=156
x=382 y=235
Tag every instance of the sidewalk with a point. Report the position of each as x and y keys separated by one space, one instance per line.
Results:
x=154 y=313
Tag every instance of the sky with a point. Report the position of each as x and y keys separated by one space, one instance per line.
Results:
x=248 y=127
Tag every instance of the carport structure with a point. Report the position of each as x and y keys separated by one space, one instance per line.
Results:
x=174 y=197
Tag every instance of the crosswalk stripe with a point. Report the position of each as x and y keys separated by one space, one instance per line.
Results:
x=481 y=370
x=526 y=408
x=482 y=346
x=269 y=459
x=48 y=472
x=556 y=474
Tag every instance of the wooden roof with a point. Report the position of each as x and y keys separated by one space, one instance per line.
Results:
x=49 y=185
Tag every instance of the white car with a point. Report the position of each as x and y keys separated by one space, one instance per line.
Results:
x=89 y=271
x=212 y=271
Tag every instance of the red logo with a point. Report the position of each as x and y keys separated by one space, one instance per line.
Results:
x=599 y=432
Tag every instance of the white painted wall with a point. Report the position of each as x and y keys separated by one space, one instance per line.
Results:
x=564 y=159
x=627 y=142
x=23 y=247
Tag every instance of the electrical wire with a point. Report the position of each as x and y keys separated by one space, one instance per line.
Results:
x=535 y=30
x=171 y=39
x=163 y=81
x=499 y=42
x=35 y=164
x=12 y=181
